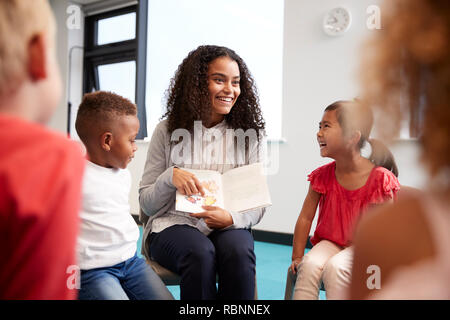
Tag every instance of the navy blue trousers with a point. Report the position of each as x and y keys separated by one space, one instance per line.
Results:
x=197 y=258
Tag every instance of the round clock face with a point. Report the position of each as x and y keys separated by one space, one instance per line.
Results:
x=337 y=21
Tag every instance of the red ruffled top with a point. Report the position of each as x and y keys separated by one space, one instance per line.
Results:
x=340 y=209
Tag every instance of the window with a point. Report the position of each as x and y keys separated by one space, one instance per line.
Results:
x=119 y=78
x=412 y=124
x=114 y=45
x=252 y=28
x=116 y=50
x=411 y=127
x=116 y=29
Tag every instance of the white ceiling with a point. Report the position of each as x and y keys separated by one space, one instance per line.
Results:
x=84 y=2
x=98 y=6
x=103 y=3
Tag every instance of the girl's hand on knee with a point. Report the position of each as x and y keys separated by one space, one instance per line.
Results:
x=294 y=265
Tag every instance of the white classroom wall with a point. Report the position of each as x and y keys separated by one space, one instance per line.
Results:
x=59 y=119
x=317 y=70
x=66 y=39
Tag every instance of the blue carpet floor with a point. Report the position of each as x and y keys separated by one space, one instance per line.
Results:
x=272 y=262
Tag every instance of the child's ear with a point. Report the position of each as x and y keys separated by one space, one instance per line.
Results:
x=356 y=136
x=106 y=141
x=37 y=58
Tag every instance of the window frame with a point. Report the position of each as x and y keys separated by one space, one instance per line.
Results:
x=123 y=51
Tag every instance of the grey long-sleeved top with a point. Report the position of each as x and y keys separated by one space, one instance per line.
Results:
x=213 y=149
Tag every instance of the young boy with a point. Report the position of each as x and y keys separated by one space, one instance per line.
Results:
x=110 y=269
x=40 y=171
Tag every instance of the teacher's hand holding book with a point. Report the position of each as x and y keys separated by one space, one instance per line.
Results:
x=186 y=182
x=215 y=217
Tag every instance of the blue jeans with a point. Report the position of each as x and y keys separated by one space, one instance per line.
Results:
x=132 y=279
x=198 y=258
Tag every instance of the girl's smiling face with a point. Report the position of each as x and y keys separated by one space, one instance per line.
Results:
x=330 y=136
x=223 y=86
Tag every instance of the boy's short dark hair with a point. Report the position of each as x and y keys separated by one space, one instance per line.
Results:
x=98 y=110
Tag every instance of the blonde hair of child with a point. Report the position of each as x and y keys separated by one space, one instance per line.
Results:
x=20 y=21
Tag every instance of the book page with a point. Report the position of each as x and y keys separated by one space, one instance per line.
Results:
x=212 y=184
x=246 y=188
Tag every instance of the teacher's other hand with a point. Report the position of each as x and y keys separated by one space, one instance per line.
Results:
x=215 y=217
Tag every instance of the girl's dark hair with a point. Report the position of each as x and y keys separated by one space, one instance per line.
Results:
x=188 y=96
x=351 y=115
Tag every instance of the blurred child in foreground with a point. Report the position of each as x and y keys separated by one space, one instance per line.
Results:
x=40 y=171
x=408 y=241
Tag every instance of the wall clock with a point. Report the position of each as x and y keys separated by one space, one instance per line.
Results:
x=337 y=21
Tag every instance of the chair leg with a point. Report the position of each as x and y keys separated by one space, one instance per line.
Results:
x=256 y=289
x=290 y=284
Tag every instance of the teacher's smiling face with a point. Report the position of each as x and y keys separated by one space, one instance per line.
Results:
x=223 y=86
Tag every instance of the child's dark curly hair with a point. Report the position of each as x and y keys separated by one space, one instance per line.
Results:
x=188 y=96
x=98 y=110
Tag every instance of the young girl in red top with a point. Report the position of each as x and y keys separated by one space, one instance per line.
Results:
x=343 y=189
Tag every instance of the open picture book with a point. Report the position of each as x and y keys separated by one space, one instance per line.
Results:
x=239 y=190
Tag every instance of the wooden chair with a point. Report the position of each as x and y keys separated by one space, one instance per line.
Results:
x=172 y=279
x=405 y=191
x=290 y=285
x=168 y=277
